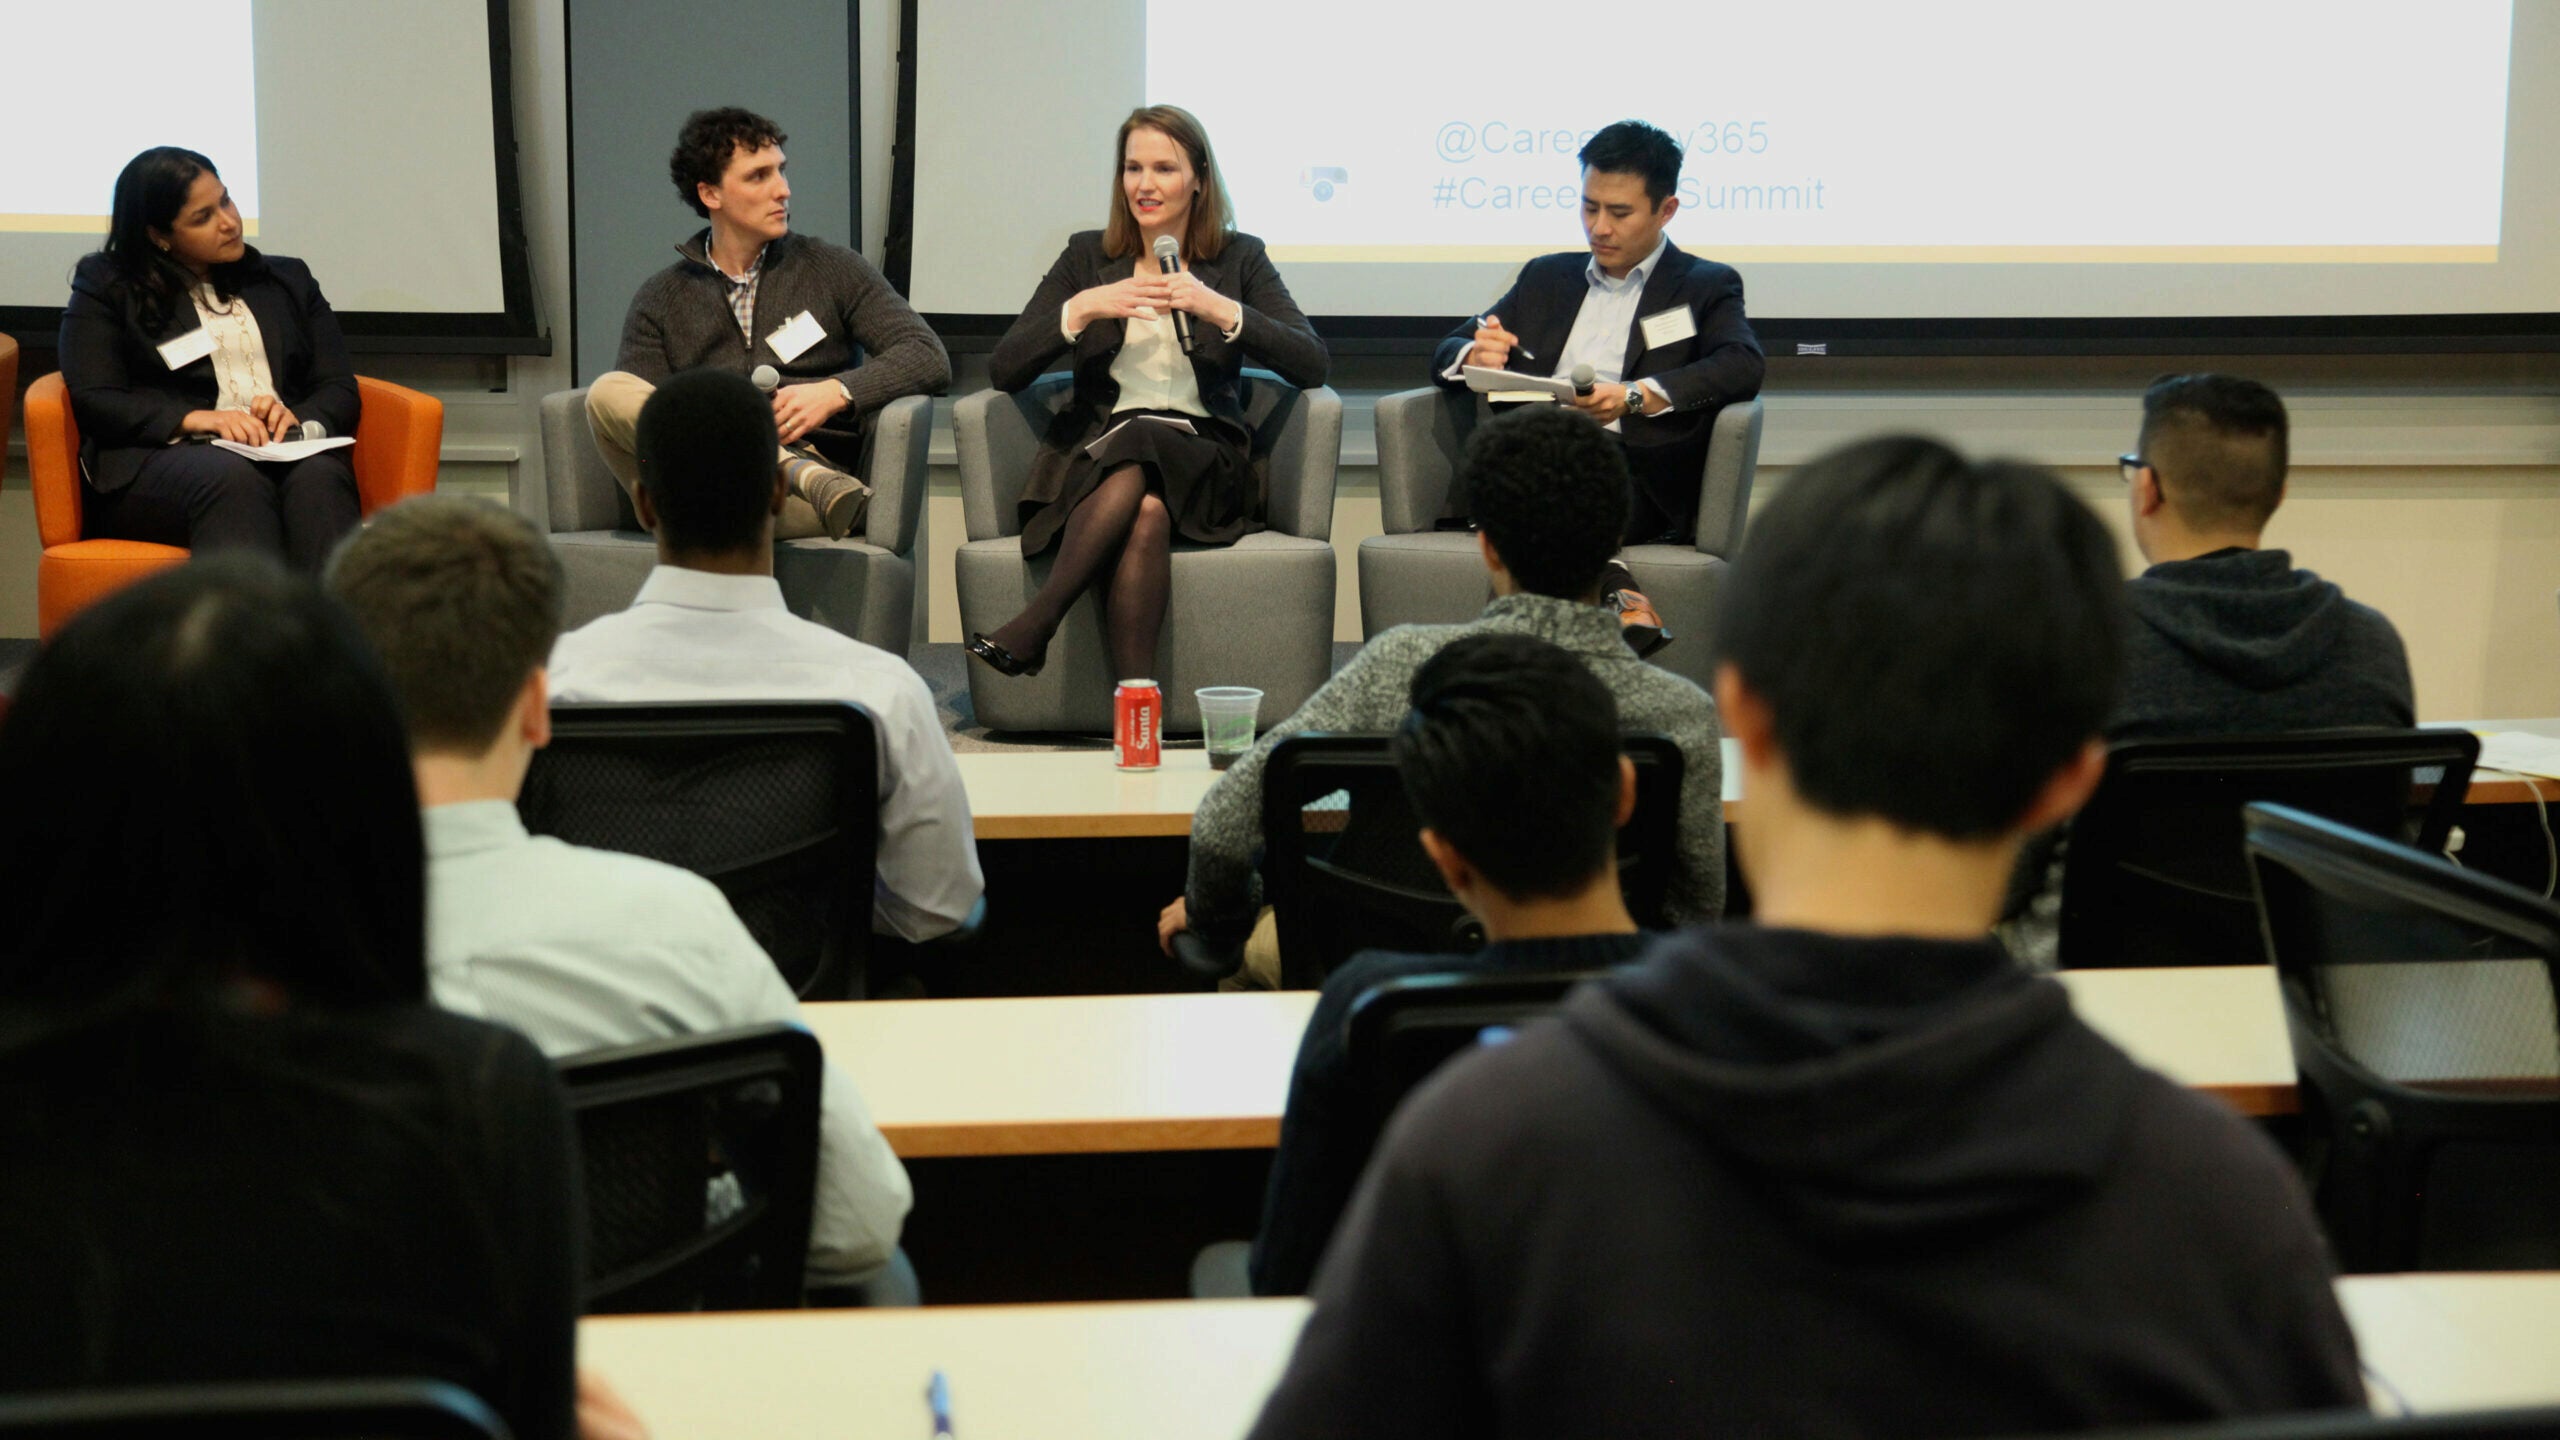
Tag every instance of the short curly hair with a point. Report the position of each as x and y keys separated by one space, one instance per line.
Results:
x=1549 y=487
x=706 y=142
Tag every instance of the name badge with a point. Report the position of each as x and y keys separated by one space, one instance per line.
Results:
x=1667 y=326
x=187 y=349
x=795 y=337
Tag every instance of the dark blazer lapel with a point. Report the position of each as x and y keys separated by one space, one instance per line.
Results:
x=277 y=326
x=1661 y=290
x=1208 y=344
x=1546 y=329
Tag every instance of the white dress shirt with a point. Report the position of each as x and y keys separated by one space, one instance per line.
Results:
x=1152 y=371
x=584 y=949
x=693 y=635
x=239 y=350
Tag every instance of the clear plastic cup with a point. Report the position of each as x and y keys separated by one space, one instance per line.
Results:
x=1226 y=721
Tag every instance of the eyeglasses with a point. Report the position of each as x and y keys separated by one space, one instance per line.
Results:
x=2128 y=466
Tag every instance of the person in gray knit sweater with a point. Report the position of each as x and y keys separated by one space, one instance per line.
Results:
x=2229 y=638
x=1550 y=494
x=745 y=293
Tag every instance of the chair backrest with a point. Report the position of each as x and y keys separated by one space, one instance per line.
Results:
x=580 y=488
x=1297 y=437
x=399 y=438
x=8 y=399
x=2426 y=1023
x=776 y=802
x=1724 y=489
x=1400 y=1031
x=2358 y=1424
x=581 y=494
x=53 y=460
x=1422 y=436
x=1345 y=873
x=2154 y=874
x=256 y=1410
x=701 y=1160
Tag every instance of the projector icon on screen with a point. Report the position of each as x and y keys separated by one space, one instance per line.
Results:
x=1323 y=178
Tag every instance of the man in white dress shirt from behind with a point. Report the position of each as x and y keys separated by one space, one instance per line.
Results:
x=580 y=949
x=710 y=624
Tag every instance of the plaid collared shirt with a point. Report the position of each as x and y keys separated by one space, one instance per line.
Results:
x=742 y=292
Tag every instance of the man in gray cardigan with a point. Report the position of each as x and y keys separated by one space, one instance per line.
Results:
x=749 y=293
x=1550 y=492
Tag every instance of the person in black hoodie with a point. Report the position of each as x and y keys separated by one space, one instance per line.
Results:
x=2229 y=638
x=1510 y=758
x=1849 y=1170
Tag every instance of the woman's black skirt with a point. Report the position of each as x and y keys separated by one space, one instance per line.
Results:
x=1204 y=476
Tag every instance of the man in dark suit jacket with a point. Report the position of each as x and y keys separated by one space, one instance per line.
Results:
x=1662 y=330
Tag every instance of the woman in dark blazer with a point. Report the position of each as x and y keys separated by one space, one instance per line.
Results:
x=178 y=333
x=1155 y=443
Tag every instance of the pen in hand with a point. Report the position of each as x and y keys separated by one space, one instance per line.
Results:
x=1523 y=351
x=937 y=1394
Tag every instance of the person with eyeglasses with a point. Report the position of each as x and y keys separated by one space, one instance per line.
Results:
x=2229 y=637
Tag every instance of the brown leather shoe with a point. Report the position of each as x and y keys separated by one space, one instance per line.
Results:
x=1640 y=623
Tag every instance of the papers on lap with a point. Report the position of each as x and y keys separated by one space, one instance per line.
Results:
x=1177 y=422
x=1509 y=385
x=286 y=451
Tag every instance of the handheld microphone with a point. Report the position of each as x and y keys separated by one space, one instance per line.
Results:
x=1169 y=260
x=312 y=430
x=766 y=378
x=1582 y=380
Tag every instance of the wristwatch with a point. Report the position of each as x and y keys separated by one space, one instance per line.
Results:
x=1635 y=399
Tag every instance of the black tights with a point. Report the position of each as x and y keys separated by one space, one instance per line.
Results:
x=1122 y=537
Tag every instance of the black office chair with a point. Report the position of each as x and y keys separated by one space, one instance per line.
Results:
x=775 y=802
x=2536 y=1424
x=1399 y=1031
x=256 y=1410
x=701 y=1161
x=2153 y=873
x=2426 y=1023
x=1344 y=872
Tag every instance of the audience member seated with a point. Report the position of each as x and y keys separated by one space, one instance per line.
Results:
x=2229 y=638
x=709 y=624
x=580 y=949
x=1550 y=492
x=241 y=1143
x=1846 y=1170
x=1510 y=758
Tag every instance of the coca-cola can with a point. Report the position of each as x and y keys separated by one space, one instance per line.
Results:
x=1137 y=725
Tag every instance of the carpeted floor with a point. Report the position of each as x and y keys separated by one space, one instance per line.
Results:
x=946 y=673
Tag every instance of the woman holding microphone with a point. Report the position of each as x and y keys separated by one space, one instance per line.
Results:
x=1155 y=444
x=178 y=333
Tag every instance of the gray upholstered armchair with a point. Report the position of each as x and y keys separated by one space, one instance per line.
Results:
x=1258 y=612
x=1414 y=574
x=863 y=585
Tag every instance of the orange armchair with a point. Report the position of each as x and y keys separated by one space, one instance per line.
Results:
x=394 y=458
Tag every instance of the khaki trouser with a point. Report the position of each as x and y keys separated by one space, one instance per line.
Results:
x=613 y=413
x=1261 y=958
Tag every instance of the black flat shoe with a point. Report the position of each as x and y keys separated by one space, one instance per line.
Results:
x=1002 y=660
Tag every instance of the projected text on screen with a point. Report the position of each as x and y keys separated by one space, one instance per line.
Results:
x=1963 y=131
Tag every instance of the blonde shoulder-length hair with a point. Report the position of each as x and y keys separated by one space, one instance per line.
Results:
x=1211 y=221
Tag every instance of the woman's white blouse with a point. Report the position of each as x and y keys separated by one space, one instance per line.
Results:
x=239 y=351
